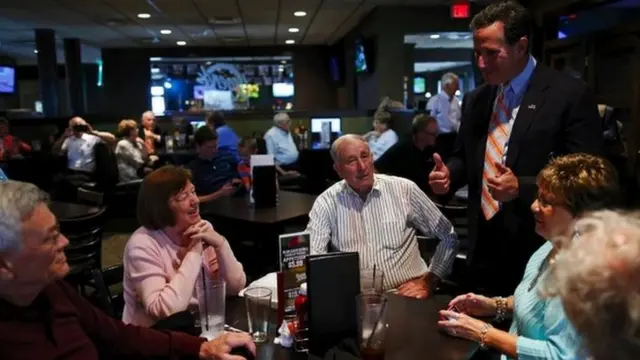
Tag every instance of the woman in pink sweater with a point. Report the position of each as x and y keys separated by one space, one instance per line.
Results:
x=164 y=257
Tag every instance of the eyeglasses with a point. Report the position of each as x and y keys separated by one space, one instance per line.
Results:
x=184 y=195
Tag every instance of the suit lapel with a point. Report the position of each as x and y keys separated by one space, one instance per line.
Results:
x=485 y=104
x=531 y=103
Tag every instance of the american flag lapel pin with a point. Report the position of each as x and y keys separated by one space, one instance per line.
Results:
x=532 y=107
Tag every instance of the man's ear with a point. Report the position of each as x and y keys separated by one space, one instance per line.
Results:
x=6 y=269
x=523 y=45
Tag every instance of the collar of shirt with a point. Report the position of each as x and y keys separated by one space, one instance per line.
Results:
x=514 y=90
x=375 y=189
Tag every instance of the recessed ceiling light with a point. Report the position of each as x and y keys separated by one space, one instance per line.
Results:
x=300 y=13
x=181 y=43
x=294 y=30
x=435 y=36
x=290 y=41
x=165 y=31
x=35 y=51
x=144 y=16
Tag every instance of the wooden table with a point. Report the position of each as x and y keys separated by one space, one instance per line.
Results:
x=291 y=206
x=70 y=211
x=253 y=233
x=413 y=332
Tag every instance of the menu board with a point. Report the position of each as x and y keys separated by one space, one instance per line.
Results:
x=294 y=249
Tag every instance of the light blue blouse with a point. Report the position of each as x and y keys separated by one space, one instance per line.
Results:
x=543 y=330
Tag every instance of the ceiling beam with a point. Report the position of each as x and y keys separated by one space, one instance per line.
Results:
x=275 y=34
x=346 y=19
x=244 y=25
x=311 y=20
x=205 y=19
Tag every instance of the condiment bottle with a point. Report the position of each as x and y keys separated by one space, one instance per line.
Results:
x=302 y=310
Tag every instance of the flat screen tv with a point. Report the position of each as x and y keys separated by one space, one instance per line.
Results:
x=362 y=60
x=282 y=90
x=419 y=85
x=7 y=80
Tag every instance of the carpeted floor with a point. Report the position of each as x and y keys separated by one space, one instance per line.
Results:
x=113 y=248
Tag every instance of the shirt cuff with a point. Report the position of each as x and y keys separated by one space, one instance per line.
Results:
x=530 y=349
x=185 y=345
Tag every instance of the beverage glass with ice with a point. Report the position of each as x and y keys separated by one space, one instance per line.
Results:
x=372 y=325
x=211 y=295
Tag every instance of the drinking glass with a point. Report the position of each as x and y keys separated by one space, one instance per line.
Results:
x=371 y=281
x=372 y=325
x=211 y=296
x=258 y=302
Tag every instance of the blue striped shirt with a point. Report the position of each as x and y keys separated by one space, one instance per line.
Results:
x=382 y=228
x=543 y=330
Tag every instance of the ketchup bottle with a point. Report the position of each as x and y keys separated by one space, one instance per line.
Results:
x=302 y=310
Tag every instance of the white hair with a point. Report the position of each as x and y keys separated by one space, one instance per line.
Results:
x=449 y=78
x=281 y=118
x=147 y=113
x=17 y=200
x=597 y=278
x=335 y=147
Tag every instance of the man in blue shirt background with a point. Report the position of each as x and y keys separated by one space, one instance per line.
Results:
x=227 y=138
x=3 y=177
x=215 y=173
x=280 y=144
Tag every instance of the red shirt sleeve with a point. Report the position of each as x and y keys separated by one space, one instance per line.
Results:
x=130 y=340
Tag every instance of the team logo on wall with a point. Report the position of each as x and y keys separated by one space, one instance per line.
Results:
x=220 y=76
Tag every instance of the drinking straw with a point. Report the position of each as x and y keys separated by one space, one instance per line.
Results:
x=375 y=326
x=204 y=293
x=374 y=276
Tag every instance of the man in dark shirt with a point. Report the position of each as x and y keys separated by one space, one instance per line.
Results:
x=215 y=173
x=42 y=317
x=411 y=158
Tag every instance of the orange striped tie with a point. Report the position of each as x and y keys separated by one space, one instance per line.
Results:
x=496 y=142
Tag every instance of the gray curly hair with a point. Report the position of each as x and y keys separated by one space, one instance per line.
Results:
x=17 y=200
x=596 y=276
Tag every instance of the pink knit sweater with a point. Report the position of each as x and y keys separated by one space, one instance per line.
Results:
x=157 y=285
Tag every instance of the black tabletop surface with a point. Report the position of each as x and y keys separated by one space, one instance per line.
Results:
x=413 y=332
x=290 y=205
x=68 y=211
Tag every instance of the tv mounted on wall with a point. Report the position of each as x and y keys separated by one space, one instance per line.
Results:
x=7 y=79
x=363 y=62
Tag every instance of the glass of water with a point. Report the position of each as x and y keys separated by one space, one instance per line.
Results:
x=371 y=281
x=211 y=295
x=258 y=302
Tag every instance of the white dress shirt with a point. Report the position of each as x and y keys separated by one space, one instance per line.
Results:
x=79 y=151
x=130 y=158
x=380 y=144
x=382 y=228
x=447 y=112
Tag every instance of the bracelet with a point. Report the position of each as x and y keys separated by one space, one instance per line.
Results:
x=501 y=308
x=483 y=334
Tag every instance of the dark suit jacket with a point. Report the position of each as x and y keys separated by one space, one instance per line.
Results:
x=558 y=115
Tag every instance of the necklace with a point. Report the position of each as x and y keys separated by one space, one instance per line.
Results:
x=548 y=261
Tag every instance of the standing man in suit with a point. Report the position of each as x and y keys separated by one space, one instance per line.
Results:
x=524 y=114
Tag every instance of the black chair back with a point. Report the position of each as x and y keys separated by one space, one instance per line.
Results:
x=110 y=302
x=84 y=252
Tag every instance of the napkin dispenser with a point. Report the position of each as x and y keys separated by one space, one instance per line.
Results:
x=333 y=283
x=264 y=186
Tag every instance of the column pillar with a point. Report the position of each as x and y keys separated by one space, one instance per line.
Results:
x=75 y=79
x=409 y=74
x=48 y=71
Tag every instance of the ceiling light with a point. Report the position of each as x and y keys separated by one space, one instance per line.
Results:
x=283 y=62
x=294 y=30
x=290 y=41
x=181 y=43
x=35 y=51
x=165 y=31
x=300 y=13
x=435 y=36
x=144 y=16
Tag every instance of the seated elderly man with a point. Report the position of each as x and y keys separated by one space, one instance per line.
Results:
x=596 y=277
x=377 y=216
x=42 y=317
x=280 y=144
x=78 y=142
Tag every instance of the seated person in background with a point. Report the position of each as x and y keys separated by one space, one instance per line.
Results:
x=377 y=216
x=131 y=153
x=150 y=133
x=42 y=317
x=215 y=173
x=568 y=187
x=10 y=146
x=227 y=138
x=164 y=257
x=77 y=143
x=247 y=147
x=280 y=144
x=382 y=137
x=412 y=158
x=596 y=278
